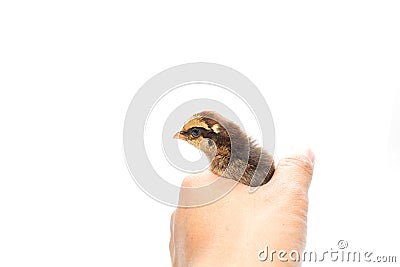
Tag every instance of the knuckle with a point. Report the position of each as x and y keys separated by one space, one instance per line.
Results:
x=298 y=161
x=189 y=181
x=297 y=204
x=300 y=200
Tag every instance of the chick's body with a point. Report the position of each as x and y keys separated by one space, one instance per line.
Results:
x=232 y=154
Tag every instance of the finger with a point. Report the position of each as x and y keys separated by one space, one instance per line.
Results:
x=200 y=179
x=204 y=188
x=295 y=170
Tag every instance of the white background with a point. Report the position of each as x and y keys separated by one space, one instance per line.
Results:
x=69 y=69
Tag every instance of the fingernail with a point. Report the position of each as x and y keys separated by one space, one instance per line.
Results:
x=308 y=152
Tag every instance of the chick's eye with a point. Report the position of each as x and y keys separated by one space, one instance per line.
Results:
x=195 y=132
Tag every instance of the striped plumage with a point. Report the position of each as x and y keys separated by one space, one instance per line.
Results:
x=231 y=152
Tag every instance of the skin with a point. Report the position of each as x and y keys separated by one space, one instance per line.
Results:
x=232 y=230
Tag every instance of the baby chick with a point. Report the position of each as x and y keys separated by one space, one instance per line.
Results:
x=231 y=153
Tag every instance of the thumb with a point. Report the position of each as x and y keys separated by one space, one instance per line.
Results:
x=295 y=170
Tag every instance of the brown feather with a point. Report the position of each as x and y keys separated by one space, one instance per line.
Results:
x=237 y=156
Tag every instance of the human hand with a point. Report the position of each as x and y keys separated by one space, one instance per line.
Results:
x=232 y=230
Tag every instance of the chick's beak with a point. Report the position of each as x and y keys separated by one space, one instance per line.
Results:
x=179 y=135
